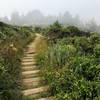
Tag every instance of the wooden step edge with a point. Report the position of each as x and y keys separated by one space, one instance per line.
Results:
x=30 y=62
x=29 y=52
x=32 y=80
x=31 y=85
x=30 y=72
x=35 y=91
x=29 y=68
x=25 y=65
x=47 y=98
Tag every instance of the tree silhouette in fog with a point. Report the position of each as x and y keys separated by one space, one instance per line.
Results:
x=36 y=17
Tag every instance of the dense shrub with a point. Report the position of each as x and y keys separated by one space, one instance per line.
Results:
x=97 y=50
x=68 y=84
x=37 y=29
x=77 y=81
x=95 y=38
x=83 y=44
x=56 y=56
x=73 y=30
x=71 y=65
x=56 y=31
x=12 y=41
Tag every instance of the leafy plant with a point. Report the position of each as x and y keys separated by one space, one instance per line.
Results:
x=12 y=42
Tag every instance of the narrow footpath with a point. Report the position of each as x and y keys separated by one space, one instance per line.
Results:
x=31 y=78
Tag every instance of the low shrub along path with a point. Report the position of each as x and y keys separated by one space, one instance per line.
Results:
x=31 y=79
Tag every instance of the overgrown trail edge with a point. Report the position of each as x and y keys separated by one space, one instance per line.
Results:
x=31 y=79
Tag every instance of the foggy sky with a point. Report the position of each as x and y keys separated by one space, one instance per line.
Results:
x=87 y=9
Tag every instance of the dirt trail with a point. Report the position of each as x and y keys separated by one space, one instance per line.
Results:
x=31 y=79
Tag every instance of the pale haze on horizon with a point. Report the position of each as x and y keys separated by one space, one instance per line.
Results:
x=86 y=9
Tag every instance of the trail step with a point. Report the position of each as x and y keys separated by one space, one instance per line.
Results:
x=29 y=52
x=31 y=85
x=29 y=68
x=30 y=74
x=28 y=60
x=25 y=57
x=31 y=80
x=28 y=63
x=48 y=98
x=35 y=91
x=29 y=57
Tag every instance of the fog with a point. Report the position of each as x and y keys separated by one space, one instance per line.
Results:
x=43 y=12
x=85 y=8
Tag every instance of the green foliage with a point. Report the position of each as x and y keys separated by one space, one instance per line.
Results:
x=73 y=30
x=85 y=67
x=83 y=44
x=56 y=26
x=12 y=41
x=37 y=29
x=54 y=31
x=95 y=38
x=76 y=81
x=97 y=50
x=57 y=55
x=71 y=66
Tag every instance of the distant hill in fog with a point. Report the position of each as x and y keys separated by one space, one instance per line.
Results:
x=35 y=17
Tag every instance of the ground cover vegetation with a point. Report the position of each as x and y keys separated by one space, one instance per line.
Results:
x=70 y=62
x=13 y=40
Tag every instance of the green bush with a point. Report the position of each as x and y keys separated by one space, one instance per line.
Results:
x=12 y=42
x=57 y=55
x=97 y=50
x=83 y=45
x=71 y=65
x=95 y=38
x=73 y=30
x=54 y=31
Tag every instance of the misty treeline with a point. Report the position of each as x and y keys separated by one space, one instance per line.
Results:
x=36 y=17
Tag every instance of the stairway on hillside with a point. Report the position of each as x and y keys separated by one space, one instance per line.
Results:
x=32 y=82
